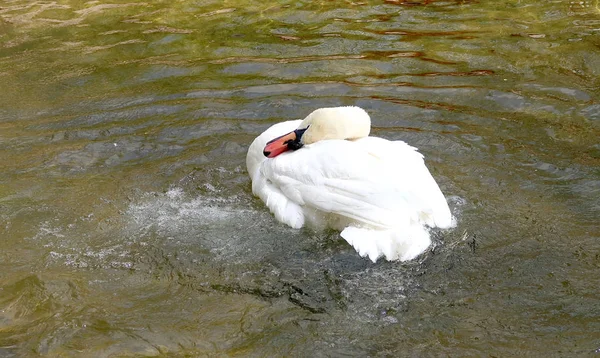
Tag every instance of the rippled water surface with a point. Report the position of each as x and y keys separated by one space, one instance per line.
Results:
x=127 y=221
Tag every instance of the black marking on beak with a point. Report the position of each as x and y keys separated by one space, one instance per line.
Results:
x=297 y=143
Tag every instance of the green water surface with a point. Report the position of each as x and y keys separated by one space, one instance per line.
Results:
x=127 y=222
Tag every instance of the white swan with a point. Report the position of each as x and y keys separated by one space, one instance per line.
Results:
x=326 y=171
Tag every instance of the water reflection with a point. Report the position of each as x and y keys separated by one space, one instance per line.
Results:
x=130 y=227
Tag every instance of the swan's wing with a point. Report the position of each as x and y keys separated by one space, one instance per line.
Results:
x=370 y=180
x=415 y=180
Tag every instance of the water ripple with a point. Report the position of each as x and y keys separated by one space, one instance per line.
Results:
x=127 y=218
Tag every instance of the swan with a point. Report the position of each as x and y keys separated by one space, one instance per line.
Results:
x=325 y=171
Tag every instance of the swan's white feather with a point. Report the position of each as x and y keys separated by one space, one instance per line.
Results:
x=378 y=192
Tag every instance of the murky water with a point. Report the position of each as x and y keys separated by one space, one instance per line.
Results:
x=126 y=216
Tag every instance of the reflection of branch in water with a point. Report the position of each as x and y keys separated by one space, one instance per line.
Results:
x=465 y=236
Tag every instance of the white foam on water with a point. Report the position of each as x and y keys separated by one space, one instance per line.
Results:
x=175 y=211
x=223 y=225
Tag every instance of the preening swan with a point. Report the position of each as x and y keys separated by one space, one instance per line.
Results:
x=325 y=171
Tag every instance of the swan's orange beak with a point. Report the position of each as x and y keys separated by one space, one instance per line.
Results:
x=279 y=145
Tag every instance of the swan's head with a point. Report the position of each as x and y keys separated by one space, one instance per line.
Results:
x=322 y=124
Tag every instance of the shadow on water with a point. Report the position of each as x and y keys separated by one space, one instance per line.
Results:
x=128 y=221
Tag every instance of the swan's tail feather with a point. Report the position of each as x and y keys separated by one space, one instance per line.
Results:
x=393 y=244
x=442 y=215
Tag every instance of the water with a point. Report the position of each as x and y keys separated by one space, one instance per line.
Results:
x=127 y=221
